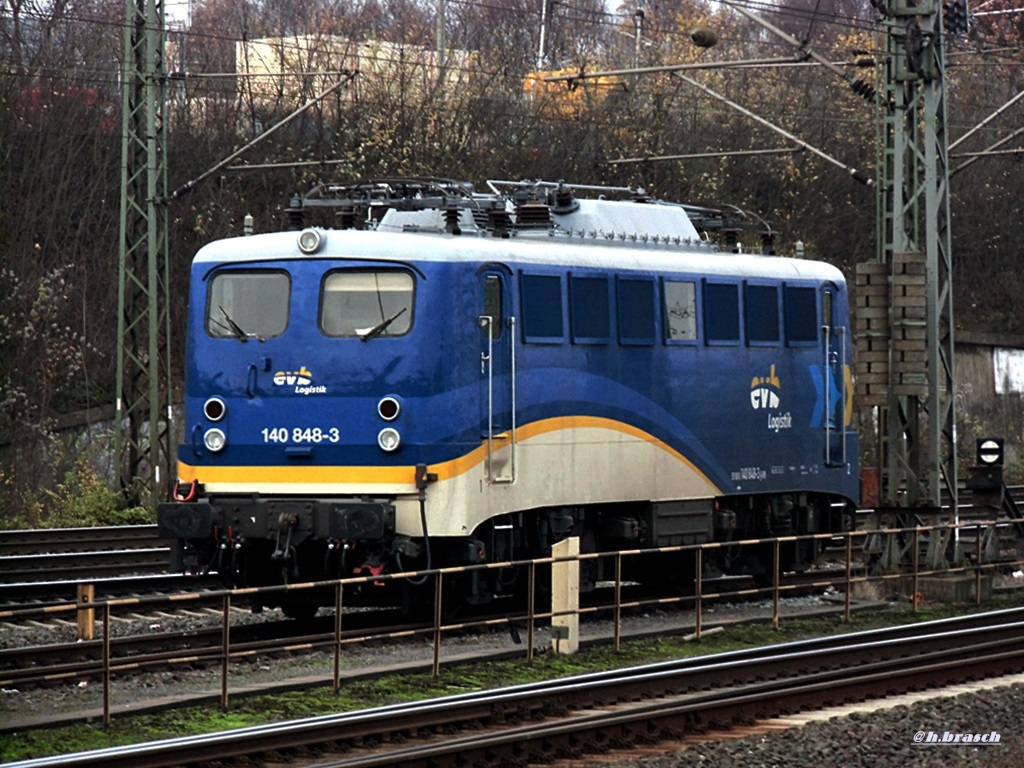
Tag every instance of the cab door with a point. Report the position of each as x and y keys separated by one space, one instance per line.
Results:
x=834 y=349
x=496 y=325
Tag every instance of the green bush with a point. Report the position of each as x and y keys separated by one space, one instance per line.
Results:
x=82 y=499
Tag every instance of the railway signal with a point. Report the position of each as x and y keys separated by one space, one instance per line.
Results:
x=990 y=452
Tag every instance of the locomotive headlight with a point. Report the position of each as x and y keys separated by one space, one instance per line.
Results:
x=389 y=439
x=388 y=408
x=214 y=409
x=215 y=439
x=310 y=241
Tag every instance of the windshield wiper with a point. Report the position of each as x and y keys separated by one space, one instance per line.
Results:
x=368 y=333
x=235 y=328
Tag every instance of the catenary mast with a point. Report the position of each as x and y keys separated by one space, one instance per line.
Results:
x=904 y=299
x=143 y=430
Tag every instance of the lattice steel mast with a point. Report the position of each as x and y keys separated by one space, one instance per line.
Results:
x=905 y=300
x=143 y=431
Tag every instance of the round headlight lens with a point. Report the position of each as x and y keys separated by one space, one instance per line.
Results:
x=310 y=241
x=214 y=409
x=388 y=408
x=215 y=440
x=389 y=439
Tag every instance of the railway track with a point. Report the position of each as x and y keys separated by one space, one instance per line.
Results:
x=202 y=646
x=76 y=566
x=40 y=594
x=141 y=649
x=81 y=553
x=610 y=710
x=54 y=540
x=45 y=567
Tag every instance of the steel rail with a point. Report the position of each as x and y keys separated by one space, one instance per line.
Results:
x=50 y=540
x=95 y=564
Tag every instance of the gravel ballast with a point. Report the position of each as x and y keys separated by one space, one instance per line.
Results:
x=879 y=739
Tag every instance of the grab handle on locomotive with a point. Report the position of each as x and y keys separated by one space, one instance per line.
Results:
x=834 y=377
x=487 y=368
x=197 y=439
x=842 y=386
x=250 y=383
x=826 y=367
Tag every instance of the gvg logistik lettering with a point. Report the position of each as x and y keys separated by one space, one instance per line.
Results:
x=946 y=737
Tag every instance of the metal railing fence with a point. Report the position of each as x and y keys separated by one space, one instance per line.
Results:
x=847 y=546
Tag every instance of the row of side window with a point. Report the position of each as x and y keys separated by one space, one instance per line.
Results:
x=602 y=309
x=715 y=312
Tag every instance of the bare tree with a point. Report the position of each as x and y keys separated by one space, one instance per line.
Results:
x=472 y=110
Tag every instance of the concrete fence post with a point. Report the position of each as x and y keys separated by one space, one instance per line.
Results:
x=565 y=597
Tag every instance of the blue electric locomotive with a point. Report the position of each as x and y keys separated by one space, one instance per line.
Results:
x=452 y=377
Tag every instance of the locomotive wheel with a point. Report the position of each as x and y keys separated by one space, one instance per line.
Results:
x=675 y=572
x=754 y=561
x=682 y=573
x=418 y=600
x=300 y=610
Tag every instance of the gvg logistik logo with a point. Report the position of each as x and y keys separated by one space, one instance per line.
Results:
x=302 y=380
x=766 y=395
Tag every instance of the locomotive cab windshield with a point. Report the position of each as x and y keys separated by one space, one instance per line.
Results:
x=248 y=304
x=367 y=303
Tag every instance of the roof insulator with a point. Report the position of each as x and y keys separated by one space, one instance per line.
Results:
x=499 y=221
x=532 y=214
x=347 y=216
x=451 y=218
x=564 y=201
x=296 y=214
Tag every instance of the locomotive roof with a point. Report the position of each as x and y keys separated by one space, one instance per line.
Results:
x=566 y=251
x=423 y=220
